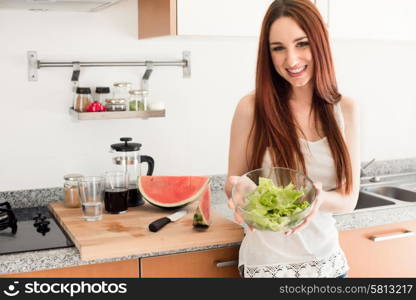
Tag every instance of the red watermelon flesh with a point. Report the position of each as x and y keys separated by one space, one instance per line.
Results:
x=172 y=191
x=202 y=216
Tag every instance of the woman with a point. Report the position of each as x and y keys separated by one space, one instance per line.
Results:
x=296 y=118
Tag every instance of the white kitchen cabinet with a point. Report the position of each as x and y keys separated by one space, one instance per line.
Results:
x=219 y=17
x=241 y=18
x=372 y=19
x=201 y=17
x=323 y=7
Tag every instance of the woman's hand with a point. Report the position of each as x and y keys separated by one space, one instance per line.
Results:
x=234 y=180
x=315 y=208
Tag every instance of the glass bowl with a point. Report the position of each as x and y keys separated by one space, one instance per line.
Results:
x=274 y=199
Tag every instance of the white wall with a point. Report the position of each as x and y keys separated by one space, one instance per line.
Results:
x=380 y=76
x=40 y=143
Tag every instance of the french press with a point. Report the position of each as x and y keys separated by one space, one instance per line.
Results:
x=126 y=156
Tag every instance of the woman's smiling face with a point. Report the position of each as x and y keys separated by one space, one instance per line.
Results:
x=290 y=51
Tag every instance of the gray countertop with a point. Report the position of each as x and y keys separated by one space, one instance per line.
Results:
x=67 y=257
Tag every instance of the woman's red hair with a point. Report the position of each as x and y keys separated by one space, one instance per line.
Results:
x=274 y=127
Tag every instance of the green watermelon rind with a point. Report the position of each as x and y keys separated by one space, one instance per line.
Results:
x=199 y=221
x=178 y=204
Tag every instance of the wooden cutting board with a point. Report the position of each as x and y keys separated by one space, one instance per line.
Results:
x=128 y=234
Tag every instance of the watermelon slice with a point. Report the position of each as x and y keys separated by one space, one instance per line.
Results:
x=172 y=191
x=203 y=211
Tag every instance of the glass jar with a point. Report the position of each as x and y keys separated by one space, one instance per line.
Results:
x=137 y=100
x=121 y=90
x=115 y=104
x=71 y=194
x=82 y=99
x=101 y=94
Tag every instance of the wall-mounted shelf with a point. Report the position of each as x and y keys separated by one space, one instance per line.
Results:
x=107 y=115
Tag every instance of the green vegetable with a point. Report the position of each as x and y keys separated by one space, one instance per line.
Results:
x=270 y=207
x=136 y=105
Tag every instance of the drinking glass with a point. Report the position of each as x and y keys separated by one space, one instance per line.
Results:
x=91 y=193
x=116 y=192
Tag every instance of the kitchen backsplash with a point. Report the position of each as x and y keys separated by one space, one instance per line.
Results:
x=40 y=197
x=393 y=166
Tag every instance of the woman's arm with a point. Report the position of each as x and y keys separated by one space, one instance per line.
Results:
x=239 y=138
x=335 y=201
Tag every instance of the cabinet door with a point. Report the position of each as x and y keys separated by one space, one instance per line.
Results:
x=201 y=17
x=221 y=18
x=384 y=258
x=117 y=269
x=373 y=19
x=218 y=263
x=205 y=18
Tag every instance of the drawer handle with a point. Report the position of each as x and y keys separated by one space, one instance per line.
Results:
x=376 y=238
x=222 y=264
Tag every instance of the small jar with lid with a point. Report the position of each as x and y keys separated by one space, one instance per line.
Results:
x=71 y=192
x=137 y=100
x=101 y=94
x=115 y=104
x=121 y=90
x=82 y=99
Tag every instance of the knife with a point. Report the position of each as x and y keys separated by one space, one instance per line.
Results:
x=159 y=223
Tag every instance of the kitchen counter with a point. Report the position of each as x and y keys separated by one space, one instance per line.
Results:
x=67 y=257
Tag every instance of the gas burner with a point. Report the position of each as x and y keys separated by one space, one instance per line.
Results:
x=7 y=217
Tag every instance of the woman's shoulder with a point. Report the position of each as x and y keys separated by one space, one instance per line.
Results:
x=349 y=105
x=350 y=109
x=245 y=107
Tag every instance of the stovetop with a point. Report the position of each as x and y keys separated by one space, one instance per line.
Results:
x=36 y=230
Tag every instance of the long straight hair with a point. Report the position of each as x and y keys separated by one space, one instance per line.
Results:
x=274 y=127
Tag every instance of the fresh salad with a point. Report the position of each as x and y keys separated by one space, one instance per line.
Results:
x=271 y=207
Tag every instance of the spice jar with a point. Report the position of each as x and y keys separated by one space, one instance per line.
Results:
x=137 y=100
x=71 y=194
x=115 y=104
x=82 y=99
x=121 y=90
x=101 y=94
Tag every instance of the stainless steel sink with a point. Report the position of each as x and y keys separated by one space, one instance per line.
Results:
x=391 y=190
x=367 y=200
x=394 y=192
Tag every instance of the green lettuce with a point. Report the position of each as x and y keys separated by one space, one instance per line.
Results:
x=271 y=207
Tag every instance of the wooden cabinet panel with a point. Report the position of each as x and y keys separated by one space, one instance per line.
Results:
x=387 y=258
x=117 y=269
x=192 y=264
x=157 y=18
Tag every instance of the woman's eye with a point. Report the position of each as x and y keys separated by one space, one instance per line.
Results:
x=303 y=44
x=279 y=48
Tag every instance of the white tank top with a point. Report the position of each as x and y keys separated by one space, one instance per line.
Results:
x=312 y=252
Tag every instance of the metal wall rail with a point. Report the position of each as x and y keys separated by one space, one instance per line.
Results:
x=34 y=64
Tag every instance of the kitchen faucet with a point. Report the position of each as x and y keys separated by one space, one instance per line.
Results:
x=362 y=173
